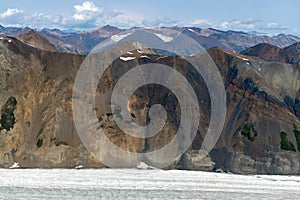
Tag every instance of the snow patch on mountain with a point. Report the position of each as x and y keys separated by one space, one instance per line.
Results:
x=192 y=30
x=117 y=38
x=127 y=58
x=164 y=38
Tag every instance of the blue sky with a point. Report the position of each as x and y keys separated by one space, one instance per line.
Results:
x=270 y=17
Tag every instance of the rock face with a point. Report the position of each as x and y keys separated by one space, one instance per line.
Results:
x=37 y=128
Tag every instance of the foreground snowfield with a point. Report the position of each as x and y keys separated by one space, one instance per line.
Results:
x=142 y=184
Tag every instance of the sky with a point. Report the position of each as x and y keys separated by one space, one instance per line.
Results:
x=261 y=16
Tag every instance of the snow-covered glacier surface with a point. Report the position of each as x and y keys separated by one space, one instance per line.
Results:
x=142 y=184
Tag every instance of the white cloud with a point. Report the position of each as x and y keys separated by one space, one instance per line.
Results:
x=224 y=25
x=10 y=12
x=249 y=21
x=125 y=20
x=12 y=17
x=200 y=22
x=19 y=18
x=57 y=19
x=236 y=25
x=252 y=25
x=86 y=6
x=273 y=26
x=160 y=21
x=88 y=15
x=247 y=25
x=87 y=11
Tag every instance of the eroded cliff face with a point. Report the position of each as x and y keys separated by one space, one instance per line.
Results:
x=37 y=128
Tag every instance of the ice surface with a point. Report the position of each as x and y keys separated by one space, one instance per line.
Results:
x=142 y=184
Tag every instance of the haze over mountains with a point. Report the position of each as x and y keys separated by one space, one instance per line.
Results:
x=261 y=132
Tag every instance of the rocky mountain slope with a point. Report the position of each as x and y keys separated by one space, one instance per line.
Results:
x=260 y=135
x=265 y=51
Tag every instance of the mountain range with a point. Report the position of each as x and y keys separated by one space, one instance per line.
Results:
x=84 y=42
x=261 y=134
